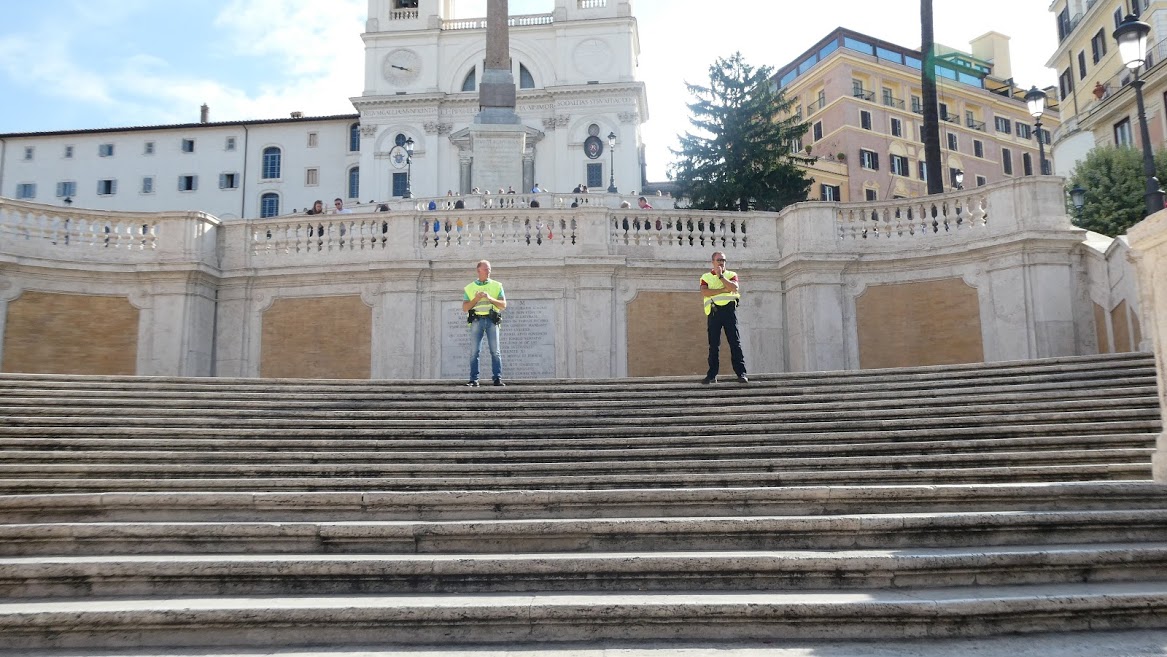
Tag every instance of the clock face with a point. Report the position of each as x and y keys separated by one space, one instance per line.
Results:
x=401 y=66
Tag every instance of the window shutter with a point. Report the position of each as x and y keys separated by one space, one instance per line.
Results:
x=194 y=183
x=875 y=161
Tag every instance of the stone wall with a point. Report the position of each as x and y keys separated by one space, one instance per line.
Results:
x=1148 y=242
x=603 y=292
x=70 y=334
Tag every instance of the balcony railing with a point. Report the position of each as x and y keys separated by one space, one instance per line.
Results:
x=513 y=21
x=593 y=4
x=892 y=101
x=403 y=15
x=950 y=118
x=864 y=95
x=975 y=125
x=816 y=106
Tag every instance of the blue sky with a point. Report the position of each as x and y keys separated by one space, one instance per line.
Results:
x=71 y=64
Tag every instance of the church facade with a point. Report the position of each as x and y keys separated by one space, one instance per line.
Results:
x=575 y=69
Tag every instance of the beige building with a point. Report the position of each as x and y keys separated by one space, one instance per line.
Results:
x=1097 y=102
x=863 y=101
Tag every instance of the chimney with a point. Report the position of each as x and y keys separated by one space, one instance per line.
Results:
x=204 y=113
x=297 y=115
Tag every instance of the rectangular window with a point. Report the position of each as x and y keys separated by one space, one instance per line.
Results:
x=1098 y=46
x=865 y=119
x=1027 y=164
x=857 y=88
x=917 y=105
x=818 y=130
x=188 y=183
x=952 y=172
x=822 y=99
x=68 y=152
x=871 y=194
x=107 y=187
x=899 y=165
x=147 y=184
x=313 y=140
x=1122 y=133
x=978 y=148
x=829 y=193
x=923 y=170
x=1023 y=130
x=28 y=153
x=105 y=150
x=312 y=177
x=1045 y=137
x=228 y=181
x=399 y=184
x=1117 y=18
x=888 y=98
x=953 y=144
x=230 y=145
x=66 y=188
x=1065 y=84
x=187 y=145
x=869 y=159
x=26 y=191
x=1063 y=23
x=942 y=109
x=1003 y=125
x=595 y=175
x=1007 y=161
x=982 y=181
x=1081 y=64
x=897 y=127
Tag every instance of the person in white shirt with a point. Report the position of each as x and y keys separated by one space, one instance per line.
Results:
x=339 y=208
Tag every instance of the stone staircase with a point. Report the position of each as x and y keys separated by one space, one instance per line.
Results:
x=931 y=502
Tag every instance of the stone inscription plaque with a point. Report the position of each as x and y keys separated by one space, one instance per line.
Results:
x=526 y=339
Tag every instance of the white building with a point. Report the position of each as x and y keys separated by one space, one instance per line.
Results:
x=576 y=72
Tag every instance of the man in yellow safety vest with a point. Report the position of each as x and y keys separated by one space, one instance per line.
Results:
x=483 y=302
x=721 y=292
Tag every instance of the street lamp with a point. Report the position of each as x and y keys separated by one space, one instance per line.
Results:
x=959 y=178
x=1078 y=198
x=1035 y=98
x=612 y=166
x=1131 y=35
x=409 y=170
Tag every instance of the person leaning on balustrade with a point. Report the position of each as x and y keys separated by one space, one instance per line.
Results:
x=317 y=207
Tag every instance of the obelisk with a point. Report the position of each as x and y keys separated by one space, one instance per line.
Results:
x=497 y=134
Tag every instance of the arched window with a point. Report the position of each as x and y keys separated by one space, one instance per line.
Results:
x=354 y=137
x=525 y=79
x=354 y=182
x=271 y=163
x=471 y=81
x=269 y=204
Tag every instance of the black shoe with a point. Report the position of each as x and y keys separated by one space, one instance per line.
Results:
x=472 y=384
x=743 y=379
x=709 y=379
x=498 y=382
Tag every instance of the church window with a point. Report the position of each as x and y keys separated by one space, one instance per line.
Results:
x=271 y=163
x=354 y=137
x=595 y=175
x=269 y=205
x=399 y=184
x=525 y=79
x=354 y=182
x=471 y=81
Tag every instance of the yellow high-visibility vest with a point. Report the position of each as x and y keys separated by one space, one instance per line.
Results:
x=492 y=288
x=715 y=283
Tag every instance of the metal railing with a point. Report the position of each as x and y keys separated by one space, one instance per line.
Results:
x=892 y=101
x=864 y=95
x=975 y=125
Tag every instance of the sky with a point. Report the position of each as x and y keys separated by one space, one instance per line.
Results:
x=75 y=64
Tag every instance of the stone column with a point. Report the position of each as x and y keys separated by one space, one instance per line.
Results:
x=496 y=93
x=1148 y=242
x=465 y=161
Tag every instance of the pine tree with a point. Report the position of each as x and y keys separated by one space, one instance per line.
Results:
x=1114 y=183
x=739 y=157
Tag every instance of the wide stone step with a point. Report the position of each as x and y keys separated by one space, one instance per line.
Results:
x=1123 y=471
x=52 y=452
x=703 y=533
x=379 y=574
x=575 y=504
x=475 y=620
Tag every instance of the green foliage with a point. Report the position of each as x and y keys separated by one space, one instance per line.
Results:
x=739 y=156
x=1114 y=183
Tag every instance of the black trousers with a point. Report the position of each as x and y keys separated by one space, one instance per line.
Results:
x=724 y=318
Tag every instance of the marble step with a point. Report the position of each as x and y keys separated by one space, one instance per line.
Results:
x=648 y=534
x=202 y=506
x=239 y=451
x=257 y=574
x=482 y=619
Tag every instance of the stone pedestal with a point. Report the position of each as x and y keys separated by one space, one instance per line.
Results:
x=498 y=156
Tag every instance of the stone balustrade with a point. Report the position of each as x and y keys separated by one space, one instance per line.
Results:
x=513 y=21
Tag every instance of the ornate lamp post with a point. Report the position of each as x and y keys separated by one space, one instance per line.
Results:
x=1131 y=36
x=612 y=166
x=959 y=177
x=1078 y=198
x=409 y=169
x=1036 y=98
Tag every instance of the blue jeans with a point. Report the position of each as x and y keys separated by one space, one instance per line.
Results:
x=484 y=325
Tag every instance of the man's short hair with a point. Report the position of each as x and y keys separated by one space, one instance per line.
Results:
x=337 y=200
x=482 y=262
